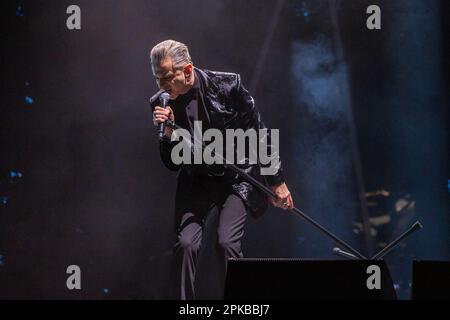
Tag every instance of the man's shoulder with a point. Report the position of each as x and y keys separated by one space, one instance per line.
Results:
x=221 y=75
x=224 y=81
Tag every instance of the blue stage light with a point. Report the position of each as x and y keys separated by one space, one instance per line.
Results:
x=15 y=174
x=29 y=100
x=19 y=11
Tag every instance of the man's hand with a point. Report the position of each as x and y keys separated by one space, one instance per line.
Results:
x=284 y=198
x=161 y=115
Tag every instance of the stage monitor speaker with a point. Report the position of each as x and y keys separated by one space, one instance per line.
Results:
x=304 y=279
x=431 y=280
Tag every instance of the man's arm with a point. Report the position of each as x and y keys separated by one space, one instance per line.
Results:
x=251 y=118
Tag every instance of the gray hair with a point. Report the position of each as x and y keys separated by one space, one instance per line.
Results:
x=178 y=51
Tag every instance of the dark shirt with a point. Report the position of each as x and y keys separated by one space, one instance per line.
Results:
x=188 y=108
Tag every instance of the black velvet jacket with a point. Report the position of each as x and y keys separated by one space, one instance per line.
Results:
x=229 y=106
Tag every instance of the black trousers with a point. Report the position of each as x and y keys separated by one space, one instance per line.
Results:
x=192 y=207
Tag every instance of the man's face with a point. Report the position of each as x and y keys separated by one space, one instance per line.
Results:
x=173 y=81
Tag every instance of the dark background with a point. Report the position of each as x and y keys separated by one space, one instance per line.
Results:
x=81 y=181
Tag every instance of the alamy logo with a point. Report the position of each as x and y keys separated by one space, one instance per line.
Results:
x=374 y=280
x=74 y=280
x=259 y=151
x=374 y=21
x=73 y=22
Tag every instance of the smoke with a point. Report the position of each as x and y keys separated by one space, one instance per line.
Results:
x=318 y=78
x=323 y=144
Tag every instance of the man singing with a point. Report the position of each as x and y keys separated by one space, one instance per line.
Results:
x=219 y=101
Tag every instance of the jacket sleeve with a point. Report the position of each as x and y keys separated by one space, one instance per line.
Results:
x=165 y=151
x=251 y=118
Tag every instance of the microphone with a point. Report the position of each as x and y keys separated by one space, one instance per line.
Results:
x=163 y=98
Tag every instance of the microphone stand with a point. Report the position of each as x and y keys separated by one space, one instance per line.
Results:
x=416 y=226
x=272 y=194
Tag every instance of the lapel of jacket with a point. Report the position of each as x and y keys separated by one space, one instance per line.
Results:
x=210 y=93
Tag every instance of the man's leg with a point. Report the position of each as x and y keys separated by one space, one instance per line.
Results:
x=232 y=217
x=186 y=252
